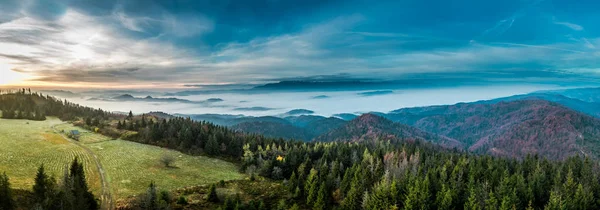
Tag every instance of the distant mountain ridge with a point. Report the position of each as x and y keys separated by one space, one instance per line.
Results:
x=513 y=128
x=371 y=128
x=128 y=97
x=546 y=123
x=300 y=127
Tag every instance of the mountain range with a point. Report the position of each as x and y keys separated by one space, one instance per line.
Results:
x=548 y=124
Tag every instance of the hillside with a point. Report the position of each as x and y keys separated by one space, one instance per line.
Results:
x=370 y=128
x=303 y=127
x=588 y=107
x=513 y=129
x=272 y=129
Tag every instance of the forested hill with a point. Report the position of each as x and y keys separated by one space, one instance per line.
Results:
x=24 y=104
x=363 y=175
x=513 y=129
x=373 y=128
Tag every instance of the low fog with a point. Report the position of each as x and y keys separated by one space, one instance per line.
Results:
x=262 y=104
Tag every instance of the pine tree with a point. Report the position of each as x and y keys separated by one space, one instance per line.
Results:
x=292 y=183
x=322 y=198
x=583 y=198
x=312 y=185
x=43 y=187
x=130 y=115
x=472 y=201
x=353 y=197
x=212 y=194
x=130 y=126
x=212 y=146
x=555 y=202
x=444 y=198
x=491 y=203
x=569 y=190
x=151 y=199
x=83 y=198
x=418 y=194
x=6 y=197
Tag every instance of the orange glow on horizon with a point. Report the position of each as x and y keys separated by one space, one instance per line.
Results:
x=10 y=77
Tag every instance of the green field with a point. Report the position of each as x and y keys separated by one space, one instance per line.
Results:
x=25 y=144
x=129 y=166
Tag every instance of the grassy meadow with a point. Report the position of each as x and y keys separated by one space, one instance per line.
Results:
x=129 y=166
x=25 y=144
x=132 y=166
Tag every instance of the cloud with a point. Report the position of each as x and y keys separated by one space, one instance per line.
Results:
x=187 y=25
x=132 y=23
x=570 y=25
x=254 y=109
x=375 y=93
x=147 y=43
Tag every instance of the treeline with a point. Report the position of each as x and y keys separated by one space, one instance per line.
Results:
x=35 y=106
x=21 y=107
x=194 y=137
x=71 y=192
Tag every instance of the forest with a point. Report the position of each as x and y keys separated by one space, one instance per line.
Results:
x=409 y=174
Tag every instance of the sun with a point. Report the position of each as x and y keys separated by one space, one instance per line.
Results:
x=8 y=76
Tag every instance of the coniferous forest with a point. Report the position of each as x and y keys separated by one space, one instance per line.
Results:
x=410 y=174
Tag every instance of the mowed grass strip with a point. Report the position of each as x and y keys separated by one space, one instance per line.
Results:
x=25 y=144
x=132 y=166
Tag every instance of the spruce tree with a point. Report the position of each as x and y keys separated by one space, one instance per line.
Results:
x=491 y=202
x=312 y=186
x=354 y=195
x=472 y=202
x=212 y=146
x=583 y=198
x=292 y=183
x=555 y=202
x=6 y=197
x=43 y=188
x=151 y=199
x=212 y=194
x=322 y=198
x=83 y=198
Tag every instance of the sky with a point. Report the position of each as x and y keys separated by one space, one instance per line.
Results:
x=193 y=43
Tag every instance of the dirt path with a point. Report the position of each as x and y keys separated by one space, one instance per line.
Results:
x=105 y=197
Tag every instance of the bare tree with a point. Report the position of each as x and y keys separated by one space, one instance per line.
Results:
x=167 y=160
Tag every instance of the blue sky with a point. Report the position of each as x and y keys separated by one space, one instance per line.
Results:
x=150 y=44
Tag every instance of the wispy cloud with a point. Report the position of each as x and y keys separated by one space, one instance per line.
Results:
x=132 y=23
x=570 y=25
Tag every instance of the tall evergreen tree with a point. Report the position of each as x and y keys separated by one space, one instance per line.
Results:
x=322 y=197
x=151 y=199
x=43 y=188
x=212 y=194
x=352 y=201
x=212 y=146
x=6 y=196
